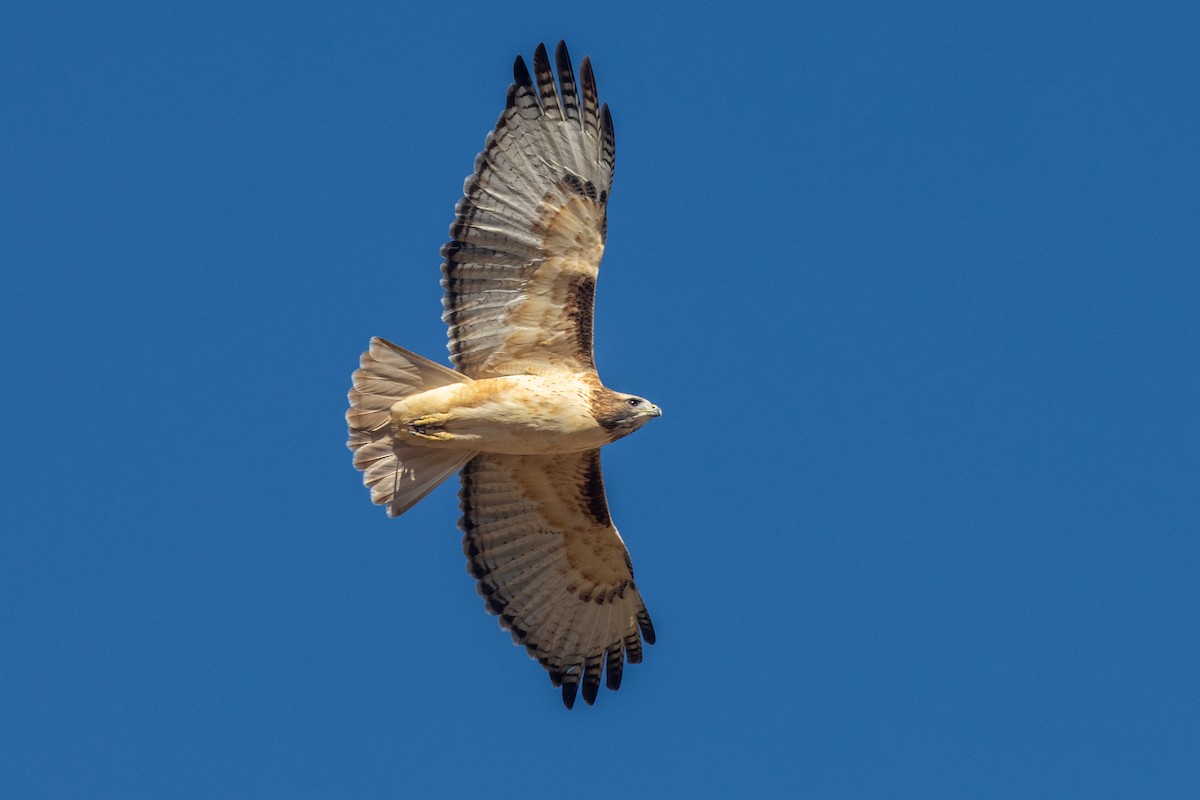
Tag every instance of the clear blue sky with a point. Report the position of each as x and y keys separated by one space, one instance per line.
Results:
x=915 y=285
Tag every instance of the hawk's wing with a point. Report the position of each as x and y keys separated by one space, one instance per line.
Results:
x=520 y=269
x=539 y=539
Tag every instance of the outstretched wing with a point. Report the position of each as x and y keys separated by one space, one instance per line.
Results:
x=539 y=539
x=520 y=269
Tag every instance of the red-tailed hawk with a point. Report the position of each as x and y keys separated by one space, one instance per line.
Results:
x=524 y=414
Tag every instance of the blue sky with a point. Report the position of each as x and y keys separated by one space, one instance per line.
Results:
x=915 y=284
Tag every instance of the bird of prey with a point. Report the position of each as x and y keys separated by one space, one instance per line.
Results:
x=523 y=415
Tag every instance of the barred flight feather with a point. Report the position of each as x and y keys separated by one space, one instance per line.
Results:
x=566 y=588
x=532 y=214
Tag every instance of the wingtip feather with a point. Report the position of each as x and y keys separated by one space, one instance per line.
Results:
x=521 y=73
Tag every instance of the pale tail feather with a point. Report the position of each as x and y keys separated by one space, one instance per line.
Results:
x=398 y=474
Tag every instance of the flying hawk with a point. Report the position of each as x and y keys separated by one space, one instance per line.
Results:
x=523 y=415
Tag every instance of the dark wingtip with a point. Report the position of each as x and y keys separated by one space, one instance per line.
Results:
x=568 y=694
x=590 y=690
x=614 y=665
x=646 y=627
x=587 y=76
x=521 y=72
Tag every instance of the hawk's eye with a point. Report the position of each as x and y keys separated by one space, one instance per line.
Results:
x=633 y=402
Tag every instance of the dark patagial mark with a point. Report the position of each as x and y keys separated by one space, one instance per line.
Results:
x=594 y=502
x=581 y=298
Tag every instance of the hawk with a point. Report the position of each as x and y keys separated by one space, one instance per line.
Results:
x=523 y=415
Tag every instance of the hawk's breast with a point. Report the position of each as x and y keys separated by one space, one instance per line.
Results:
x=515 y=415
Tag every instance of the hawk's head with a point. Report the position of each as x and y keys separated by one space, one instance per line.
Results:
x=620 y=413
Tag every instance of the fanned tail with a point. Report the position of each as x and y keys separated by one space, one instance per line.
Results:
x=398 y=473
